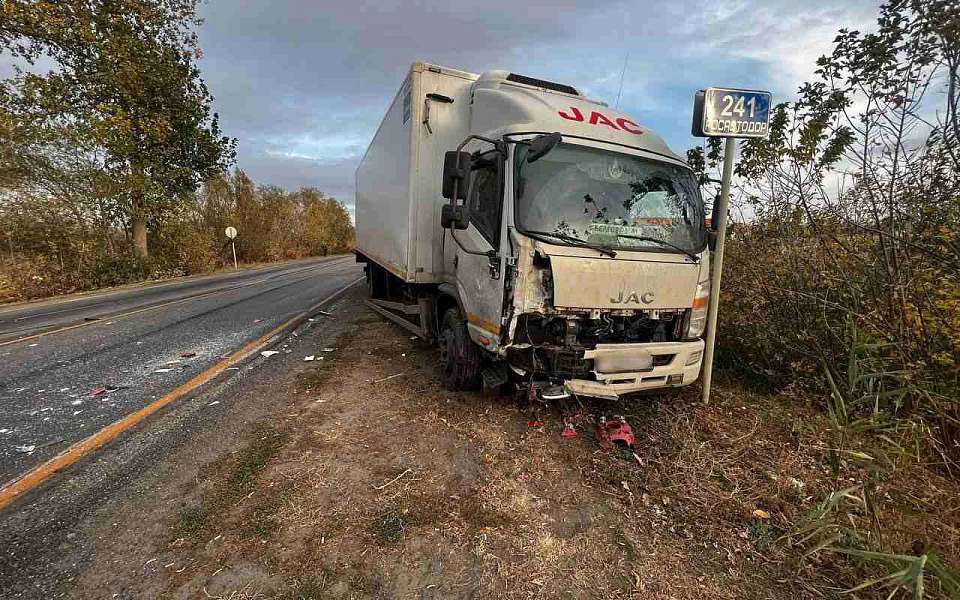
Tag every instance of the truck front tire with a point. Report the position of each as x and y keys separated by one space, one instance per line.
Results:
x=460 y=358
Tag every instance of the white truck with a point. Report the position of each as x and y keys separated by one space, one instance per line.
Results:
x=536 y=235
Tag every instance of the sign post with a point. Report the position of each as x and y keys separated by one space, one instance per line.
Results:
x=733 y=114
x=232 y=234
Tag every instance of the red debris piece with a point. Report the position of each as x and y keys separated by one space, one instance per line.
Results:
x=533 y=424
x=568 y=430
x=609 y=433
x=98 y=392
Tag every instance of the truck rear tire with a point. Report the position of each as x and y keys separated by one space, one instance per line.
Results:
x=460 y=358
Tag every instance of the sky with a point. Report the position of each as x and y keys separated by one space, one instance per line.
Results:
x=303 y=84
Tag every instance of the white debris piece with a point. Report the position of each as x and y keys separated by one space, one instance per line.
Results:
x=329 y=349
x=26 y=449
x=269 y=353
x=76 y=403
x=4 y=431
x=309 y=358
x=214 y=403
x=163 y=370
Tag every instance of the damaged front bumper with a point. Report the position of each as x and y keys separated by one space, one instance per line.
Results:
x=620 y=369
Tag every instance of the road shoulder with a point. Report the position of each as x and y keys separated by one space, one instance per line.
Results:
x=366 y=479
x=119 y=498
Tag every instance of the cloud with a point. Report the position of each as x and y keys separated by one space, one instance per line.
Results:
x=303 y=84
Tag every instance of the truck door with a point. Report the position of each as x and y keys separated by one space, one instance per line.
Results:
x=479 y=277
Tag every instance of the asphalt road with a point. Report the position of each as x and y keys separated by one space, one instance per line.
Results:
x=69 y=367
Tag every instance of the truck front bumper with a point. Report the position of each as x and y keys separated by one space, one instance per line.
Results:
x=625 y=368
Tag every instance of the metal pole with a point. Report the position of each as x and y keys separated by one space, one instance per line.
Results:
x=234 y=248
x=729 y=152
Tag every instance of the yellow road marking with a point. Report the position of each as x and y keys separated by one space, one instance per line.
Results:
x=153 y=307
x=84 y=447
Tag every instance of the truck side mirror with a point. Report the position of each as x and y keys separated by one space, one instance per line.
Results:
x=715 y=214
x=455 y=175
x=453 y=217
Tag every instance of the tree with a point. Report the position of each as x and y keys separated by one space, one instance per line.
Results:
x=127 y=82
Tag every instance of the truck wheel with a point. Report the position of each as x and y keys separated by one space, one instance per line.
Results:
x=460 y=358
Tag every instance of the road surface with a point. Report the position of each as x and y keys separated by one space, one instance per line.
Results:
x=69 y=367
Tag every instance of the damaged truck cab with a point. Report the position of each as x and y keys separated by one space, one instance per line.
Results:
x=534 y=233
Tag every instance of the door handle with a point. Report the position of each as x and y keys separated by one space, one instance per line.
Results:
x=494 y=264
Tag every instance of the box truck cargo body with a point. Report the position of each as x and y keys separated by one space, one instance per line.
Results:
x=535 y=235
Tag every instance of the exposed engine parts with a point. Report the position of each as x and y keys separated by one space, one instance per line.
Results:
x=640 y=327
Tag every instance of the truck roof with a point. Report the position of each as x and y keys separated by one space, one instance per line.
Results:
x=510 y=103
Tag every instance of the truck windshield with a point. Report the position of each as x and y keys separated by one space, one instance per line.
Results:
x=613 y=200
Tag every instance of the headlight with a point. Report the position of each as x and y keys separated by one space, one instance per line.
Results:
x=698 y=315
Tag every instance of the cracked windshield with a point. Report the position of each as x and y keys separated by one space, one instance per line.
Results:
x=614 y=200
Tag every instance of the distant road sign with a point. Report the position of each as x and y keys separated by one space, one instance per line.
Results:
x=231 y=232
x=728 y=112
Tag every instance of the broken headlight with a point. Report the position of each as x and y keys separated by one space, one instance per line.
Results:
x=698 y=314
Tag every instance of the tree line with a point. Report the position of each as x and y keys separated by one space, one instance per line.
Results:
x=113 y=166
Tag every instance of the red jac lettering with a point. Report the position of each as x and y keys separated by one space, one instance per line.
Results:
x=598 y=118
x=577 y=115
x=626 y=124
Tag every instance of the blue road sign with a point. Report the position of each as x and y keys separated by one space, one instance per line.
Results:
x=726 y=112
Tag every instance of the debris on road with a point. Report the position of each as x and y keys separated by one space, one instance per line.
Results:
x=76 y=403
x=214 y=403
x=269 y=353
x=323 y=312
x=390 y=377
x=392 y=481
x=329 y=349
x=309 y=358
x=188 y=355
x=614 y=431
x=100 y=391
x=163 y=370
x=4 y=430
x=26 y=449
x=568 y=430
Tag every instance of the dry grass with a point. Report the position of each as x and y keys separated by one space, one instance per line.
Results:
x=398 y=488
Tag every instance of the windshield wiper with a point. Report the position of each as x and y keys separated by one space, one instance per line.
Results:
x=643 y=238
x=573 y=241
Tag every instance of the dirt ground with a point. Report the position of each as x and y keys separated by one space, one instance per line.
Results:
x=372 y=481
